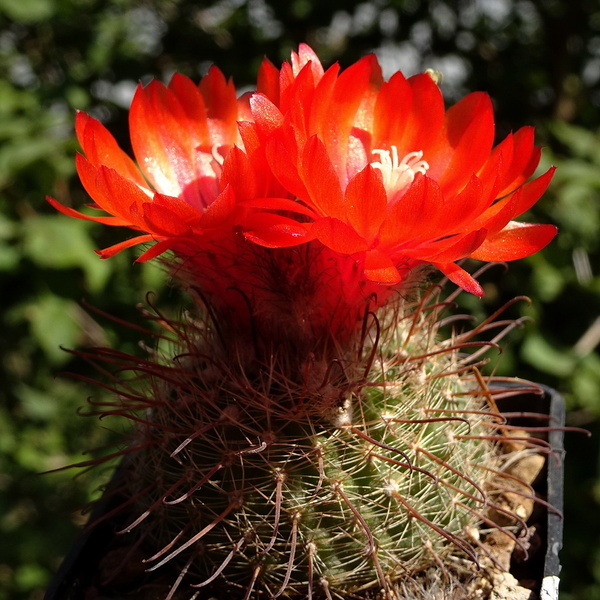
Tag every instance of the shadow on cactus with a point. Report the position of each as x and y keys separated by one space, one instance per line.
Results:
x=310 y=434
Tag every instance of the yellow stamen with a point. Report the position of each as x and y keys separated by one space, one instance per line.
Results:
x=437 y=76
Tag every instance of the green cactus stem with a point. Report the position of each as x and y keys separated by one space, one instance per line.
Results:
x=253 y=478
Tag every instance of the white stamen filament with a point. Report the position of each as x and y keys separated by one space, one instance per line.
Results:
x=398 y=175
x=217 y=160
x=215 y=154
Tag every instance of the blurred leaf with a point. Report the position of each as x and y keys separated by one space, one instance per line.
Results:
x=7 y=228
x=30 y=576
x=9 y=257
x=37 y=448
x=545 y=357
x=27 y=11
x=548 y=280
x=580 y=141
x=578 y=172
x=154 y=276
x=77 y=97
x=22 y=152
x=54 y=323
x=55 y=242
x=35 y=403
x=586 y=383
x=7 y=434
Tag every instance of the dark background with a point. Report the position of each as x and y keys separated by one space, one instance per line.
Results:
x=540 y=62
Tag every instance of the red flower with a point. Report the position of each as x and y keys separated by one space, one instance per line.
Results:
x=362 y=180
x=181 y=135
x=385 y=172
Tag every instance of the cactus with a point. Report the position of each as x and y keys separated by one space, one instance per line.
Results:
x=255 y=478
x=310 y=434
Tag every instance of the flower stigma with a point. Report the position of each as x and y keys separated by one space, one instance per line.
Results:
x=398 y=175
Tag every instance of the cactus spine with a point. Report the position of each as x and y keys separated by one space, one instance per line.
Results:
x=338 y=476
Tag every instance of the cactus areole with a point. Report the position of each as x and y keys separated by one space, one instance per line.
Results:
x=313 y=435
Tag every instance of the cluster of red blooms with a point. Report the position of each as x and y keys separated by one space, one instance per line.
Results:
x=376 y=174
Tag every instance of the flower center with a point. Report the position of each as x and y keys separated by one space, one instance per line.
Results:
x=398 y=175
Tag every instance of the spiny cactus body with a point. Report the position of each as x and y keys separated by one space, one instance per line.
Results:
x=260 y=479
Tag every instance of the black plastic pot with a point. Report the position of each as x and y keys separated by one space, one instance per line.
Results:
x=547 y=402
x=78 y=570
x=555 y=497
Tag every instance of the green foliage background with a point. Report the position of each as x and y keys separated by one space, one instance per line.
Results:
x=539 y=60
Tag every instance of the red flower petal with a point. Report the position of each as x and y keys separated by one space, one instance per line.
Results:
x=468 y=139
x=182 y=210
x=305 y=56
x=239 y=174
x=158 y=136
x=163 y=221
x=285 y=169
x=119 y=193
x=156 y=250
x=297 y=98
x=498 y=215
x=321 y=181
x=520 y=163
x=112 y=250
x=515 y=241
x=414 y=215
x=460 y=209
x=379 y=267
x=393 y=103
x=448 y=249
x=250 y=139
x=366 y=203
x=426 y=119
x=112 y=192
x=220 y=211
x=275 y=231
x=176 y=129
x=337 y=121
x=457 y=249
x=65 y=210
x=280 y=204
x=461 y=278
x=88 y=175
x=221 y=103
x=101 y=148
x=338 y=236
x=266 y=115
x=268 y=81
x=188 y=97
